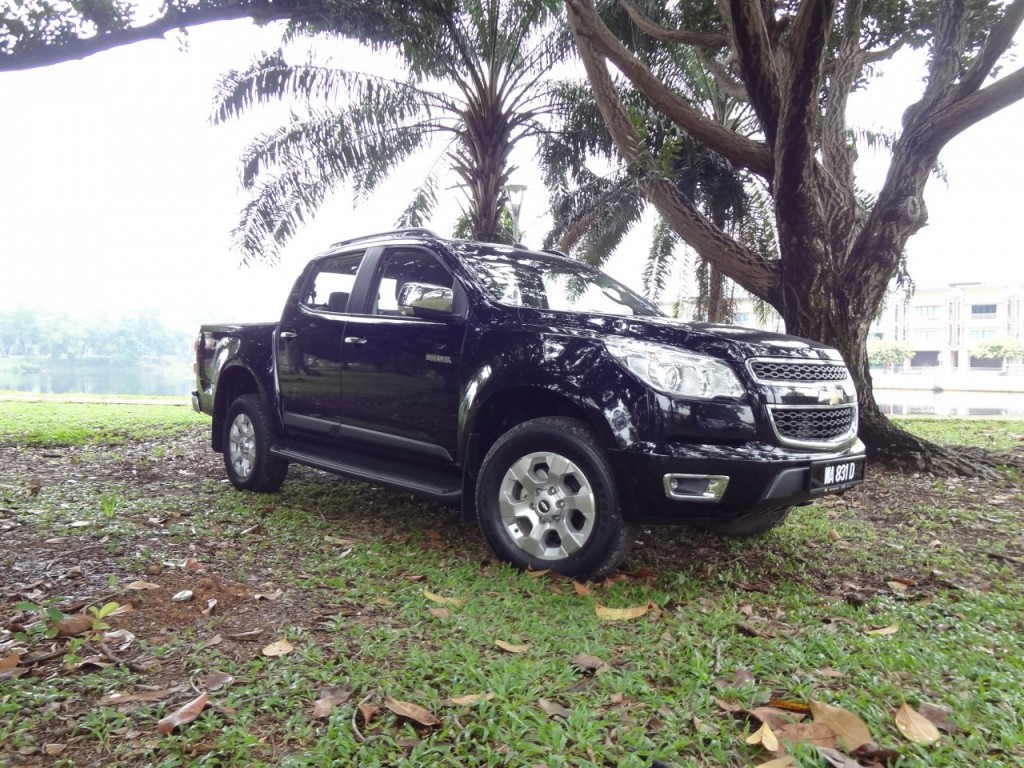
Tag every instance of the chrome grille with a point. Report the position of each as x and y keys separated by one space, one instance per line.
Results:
x=814 y=424
x=779 y=370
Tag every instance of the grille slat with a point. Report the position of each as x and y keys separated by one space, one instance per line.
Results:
x=814 y=424
x=774 y=371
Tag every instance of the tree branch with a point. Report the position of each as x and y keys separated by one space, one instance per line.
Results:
x=996 y=44
x=838 y=156
x=745 y=266
x=962 y=114
x=730 y=86
x=753 y=49
x=30 y=56
x=739 y=150
x=682 y=36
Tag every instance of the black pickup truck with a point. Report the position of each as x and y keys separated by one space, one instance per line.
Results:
x=556 y=406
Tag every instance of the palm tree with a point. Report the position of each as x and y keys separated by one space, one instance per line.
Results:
x=593 y=212
x=475 y=73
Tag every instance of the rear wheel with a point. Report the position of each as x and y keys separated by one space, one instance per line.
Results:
x=247 y=439
x=546 y=498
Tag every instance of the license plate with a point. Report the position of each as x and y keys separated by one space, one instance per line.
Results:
x=828 y=476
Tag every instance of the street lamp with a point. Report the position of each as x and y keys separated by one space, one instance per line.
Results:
x=515 y=200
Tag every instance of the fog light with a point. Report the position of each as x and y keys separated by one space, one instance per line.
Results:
x=696 y=487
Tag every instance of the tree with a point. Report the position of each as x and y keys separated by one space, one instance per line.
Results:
x=797 y=64
x=594 y=212
x=36 y=33
x=888 y=353
x=473 y=79
x=1004 y=349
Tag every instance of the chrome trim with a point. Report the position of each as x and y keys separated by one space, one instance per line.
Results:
x=796 y=361
x=714 y=492
x=839 y=442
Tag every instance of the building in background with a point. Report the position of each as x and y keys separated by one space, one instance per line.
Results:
x=943 y=325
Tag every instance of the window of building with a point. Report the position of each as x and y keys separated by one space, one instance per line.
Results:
x=935 y=335
x=979 y=335
x=983 y=310
x=927 y=310
x=742 y=317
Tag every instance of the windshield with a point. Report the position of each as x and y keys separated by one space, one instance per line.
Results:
x=524 y=279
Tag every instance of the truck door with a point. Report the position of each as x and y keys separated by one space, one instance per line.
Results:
x=309 y=346
x=400 y=379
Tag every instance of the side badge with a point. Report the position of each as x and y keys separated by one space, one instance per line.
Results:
x=439 y=359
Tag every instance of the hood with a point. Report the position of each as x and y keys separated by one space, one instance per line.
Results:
x=731 y=342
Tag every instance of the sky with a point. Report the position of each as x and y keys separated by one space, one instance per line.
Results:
x=117 y=194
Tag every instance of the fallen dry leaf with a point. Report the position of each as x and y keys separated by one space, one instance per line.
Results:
x=138 y=585
x=818 y=734
x=10 y=662
x=413 y=712
x=118 y=639
x=280 y=648
x=121 y=610
x=217 y=680
x=939 y=716
x=271 y=596
x=538 y=574
x=621 y=614
x=581 y=589
x=850 y=730
x=511 y=647
x=54 y=749
x=778 y=762
x=765 y=737
x=585 y=661
x=440 y=613
x=184 y=715
x=897 y=586
x=552 y=708
x=76 y=624
x=330 y=697
x=837 y=759
x=471 y=698
x=915 y=726
x=443 y=600
x=892 y=629
x=368 y=712
x=774 y=718
x=210 y=605
x=248 y=635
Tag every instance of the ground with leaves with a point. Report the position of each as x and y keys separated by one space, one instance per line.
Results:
x=335 y=623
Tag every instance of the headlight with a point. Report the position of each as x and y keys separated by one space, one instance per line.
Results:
x=676 y=373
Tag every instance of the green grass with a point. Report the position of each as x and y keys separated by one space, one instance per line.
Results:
x=995 y=435
x=52 y=423
x=353 y=563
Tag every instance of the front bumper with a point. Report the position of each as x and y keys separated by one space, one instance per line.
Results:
x=760 y=477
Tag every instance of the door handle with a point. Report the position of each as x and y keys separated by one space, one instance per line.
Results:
x=286 y=335
x=355 y=340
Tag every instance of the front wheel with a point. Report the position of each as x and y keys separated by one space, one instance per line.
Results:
x=247 y=437
x=546 y=498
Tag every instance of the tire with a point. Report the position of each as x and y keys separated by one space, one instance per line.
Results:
x=751 y=525
x=546 y=498
x=247 y=439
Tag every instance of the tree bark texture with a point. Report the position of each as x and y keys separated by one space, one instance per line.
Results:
x=836 y=259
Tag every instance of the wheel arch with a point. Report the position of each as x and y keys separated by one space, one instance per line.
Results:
x=507 y=408
x=233 y=382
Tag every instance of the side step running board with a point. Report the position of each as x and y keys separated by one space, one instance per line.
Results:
x=438 y=485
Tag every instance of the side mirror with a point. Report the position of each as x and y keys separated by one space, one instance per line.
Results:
x=431 y=302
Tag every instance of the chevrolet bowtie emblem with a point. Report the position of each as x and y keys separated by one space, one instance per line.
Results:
x=831 y=395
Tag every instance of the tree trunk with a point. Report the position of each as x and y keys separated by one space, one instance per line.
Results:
x=828 y=317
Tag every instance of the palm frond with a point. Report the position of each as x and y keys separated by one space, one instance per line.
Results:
x=660 y=259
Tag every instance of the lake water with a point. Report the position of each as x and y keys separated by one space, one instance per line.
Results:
x=105 y=380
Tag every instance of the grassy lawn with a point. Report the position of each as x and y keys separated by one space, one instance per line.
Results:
x=406 y=644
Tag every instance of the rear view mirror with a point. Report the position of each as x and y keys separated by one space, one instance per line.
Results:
x=432 y=302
